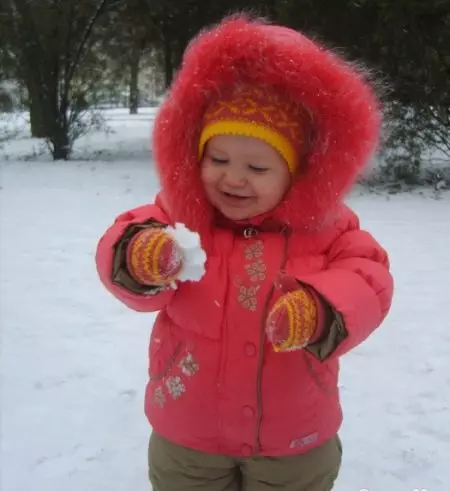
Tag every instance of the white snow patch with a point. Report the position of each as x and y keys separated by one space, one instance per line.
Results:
x=73 y=360
x=194 y=255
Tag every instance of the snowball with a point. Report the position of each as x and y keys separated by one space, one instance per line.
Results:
x=194 y=255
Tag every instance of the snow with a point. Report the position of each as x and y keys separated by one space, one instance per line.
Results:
x=123 y=138
x=194 y=257
x=74 y=360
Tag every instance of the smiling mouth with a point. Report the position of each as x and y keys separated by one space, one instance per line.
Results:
x=235 y=196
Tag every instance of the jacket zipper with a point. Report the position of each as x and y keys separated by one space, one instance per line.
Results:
x=259 y=396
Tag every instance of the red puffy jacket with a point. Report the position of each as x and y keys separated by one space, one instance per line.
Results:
x=215 y=383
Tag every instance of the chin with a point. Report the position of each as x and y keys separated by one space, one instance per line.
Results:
x=237 y=214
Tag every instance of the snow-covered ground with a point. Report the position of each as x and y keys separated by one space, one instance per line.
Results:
x=74 y=361
x=122 y=138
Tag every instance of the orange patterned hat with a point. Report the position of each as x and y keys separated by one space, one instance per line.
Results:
x=260 y=114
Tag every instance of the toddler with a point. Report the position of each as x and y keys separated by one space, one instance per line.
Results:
x=259 y=139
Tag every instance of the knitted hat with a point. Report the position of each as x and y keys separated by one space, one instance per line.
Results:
x=261 y=114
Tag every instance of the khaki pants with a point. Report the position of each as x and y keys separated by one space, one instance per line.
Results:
x=176 y=468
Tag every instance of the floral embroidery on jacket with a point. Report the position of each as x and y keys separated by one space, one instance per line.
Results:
x=174 y=385
x=254 y=251
x=159 y=397
x=188 y=365
x=256 y=271
x=247 y=297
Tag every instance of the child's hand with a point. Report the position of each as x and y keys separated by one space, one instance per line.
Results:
x=154 y=257
x=292 y=321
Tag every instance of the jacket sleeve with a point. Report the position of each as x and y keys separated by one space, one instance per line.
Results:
x=111 y=260
x=356 y=289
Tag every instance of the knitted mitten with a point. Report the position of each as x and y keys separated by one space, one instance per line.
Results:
x=293 y=320
x=154 y=257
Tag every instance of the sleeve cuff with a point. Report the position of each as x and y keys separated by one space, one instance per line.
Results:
x=330 y=331
x=120 y=273
x=333 y=334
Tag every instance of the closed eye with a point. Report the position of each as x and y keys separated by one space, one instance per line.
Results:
x=259 y=170
x=219 y=161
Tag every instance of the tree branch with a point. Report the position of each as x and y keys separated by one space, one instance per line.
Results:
x=100 y=7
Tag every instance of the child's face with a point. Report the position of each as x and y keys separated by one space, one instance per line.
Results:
x=243 y=176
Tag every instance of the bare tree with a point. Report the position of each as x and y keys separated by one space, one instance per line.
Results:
x=50 y=42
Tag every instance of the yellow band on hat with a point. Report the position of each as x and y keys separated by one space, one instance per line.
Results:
x=255 y=130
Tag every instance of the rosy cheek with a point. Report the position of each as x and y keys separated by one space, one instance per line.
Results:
x=209 y=176
x=272 y=191
x=206 y=173
x=264 y=187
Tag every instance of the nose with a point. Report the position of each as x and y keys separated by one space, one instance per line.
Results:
x=234 y=177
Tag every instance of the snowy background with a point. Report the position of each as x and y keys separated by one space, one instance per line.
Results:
x=74 y=361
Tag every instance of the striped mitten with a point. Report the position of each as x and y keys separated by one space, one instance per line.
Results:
x=154 y=257
x=293 y=321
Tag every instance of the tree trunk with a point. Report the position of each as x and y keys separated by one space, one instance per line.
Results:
x=134 y=80
x=60 y=148
x=60 y=141
x=39 y=128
